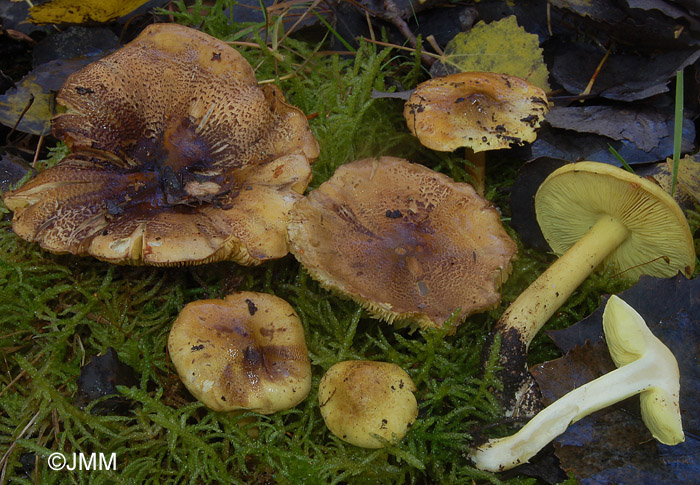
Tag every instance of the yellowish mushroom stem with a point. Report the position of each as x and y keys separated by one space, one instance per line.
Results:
x=477 y=170
x=652 y=373
x=531 y=310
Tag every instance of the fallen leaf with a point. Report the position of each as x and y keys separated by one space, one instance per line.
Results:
x=37 y=91
x=646 y=129
x=501 y=47
x=623 y=77
x=688 y=175
x=81 y=12
x=613 y=445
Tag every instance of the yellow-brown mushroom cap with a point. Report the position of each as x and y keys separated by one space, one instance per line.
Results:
x=368 y=404
x=244 y=352
x=406 y=242
x=575 y=196
x=178 y=157
x=478 y=110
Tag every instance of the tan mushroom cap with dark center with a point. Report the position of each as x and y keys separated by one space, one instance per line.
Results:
x=178 y=157
x=244 y=352
x=406 y=242
x=479 y=110
x=366 y=403
x=575 y=197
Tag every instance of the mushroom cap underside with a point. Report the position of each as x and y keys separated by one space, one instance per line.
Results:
x=575 y=196
x=404 y=241
x=361 y=399
x=244 y=352
x=478 y=110
x=170 y=135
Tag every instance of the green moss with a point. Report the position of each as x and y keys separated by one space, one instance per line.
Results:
x=57 y=311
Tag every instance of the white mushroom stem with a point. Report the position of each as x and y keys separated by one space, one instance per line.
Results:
x=531 y=310
x=654 y=373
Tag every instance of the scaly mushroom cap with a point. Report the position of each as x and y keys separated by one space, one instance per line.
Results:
x=479 y=110
x=404 y=241
x=178 y=158
x=575 y=196
x=361 y=399
x=244 y=352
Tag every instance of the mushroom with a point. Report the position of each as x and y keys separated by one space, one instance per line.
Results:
x=591 y=214
x=645 y=367
x=476 y=110
x=178 y=157
x=246 y=351
x=407 y=243
x=366 y=403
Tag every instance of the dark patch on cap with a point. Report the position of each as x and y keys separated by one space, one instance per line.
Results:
x=395 y=214
x=251 y=306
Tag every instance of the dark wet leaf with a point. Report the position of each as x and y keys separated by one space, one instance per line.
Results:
x=623 y=77
x=100 y=378
x=33 y=99
x=12 y=168
x=73 y=42
x=613 y=445
x=522 y=200
x=647 y=129
x=574 y=147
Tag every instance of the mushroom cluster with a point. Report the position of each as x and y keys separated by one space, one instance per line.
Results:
x=178 y=157
x=591 y=214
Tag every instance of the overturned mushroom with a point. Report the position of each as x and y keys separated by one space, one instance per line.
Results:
x=476 y=110
x=368 y=404
x=244 y=352
x=404 y=241
x=645 y=366
x=178 y=157
x=591 y=214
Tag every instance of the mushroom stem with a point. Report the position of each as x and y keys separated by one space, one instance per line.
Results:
x=531 y=310
x=478 y=169
x=654 y=372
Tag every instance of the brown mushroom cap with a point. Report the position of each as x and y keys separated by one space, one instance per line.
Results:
x=178 y=158
x=244 y=352
x=361 y=399
x=574 y=197
x=406 y=242
x=479 y=110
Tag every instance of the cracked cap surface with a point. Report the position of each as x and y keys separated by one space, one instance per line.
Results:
x=178 y=157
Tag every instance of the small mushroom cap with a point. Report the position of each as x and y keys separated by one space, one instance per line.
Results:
x=178 y=157
x=406 y=242
x=628 y=339
x=479 y=110
x=576 y=195
x=368 y=404
x=246 y=351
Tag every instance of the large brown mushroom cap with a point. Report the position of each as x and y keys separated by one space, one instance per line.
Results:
x=574 y=197
x=479 y=110
x=178 y=158
x=244 y=352
x=366 y=403
x=404 y=241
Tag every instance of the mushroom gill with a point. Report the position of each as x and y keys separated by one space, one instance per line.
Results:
x=178 y=157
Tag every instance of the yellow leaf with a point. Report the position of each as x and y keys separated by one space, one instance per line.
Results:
x=688 y=175
x=502 y=47
x=81 y=12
